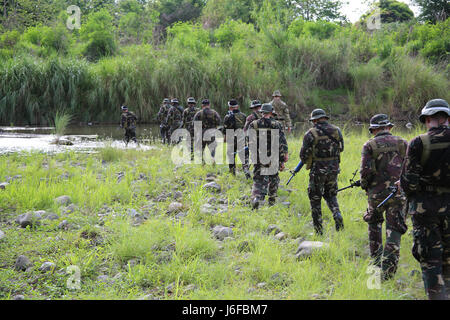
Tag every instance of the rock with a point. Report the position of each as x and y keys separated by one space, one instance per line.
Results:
x=210 y=177
x=22 y=263
x=286 y=204
x=50 y=216
x=207 y=209
x=177 y=195
x=133 y=213
x=306 y=248
x=273 y=229
x=28 y=219
x=120 y=176
x=212 y=200
x=132 y=262
x=2 y=235
x=190 y=288
x=174 y=207
x=64 y=225
x=244 y=246
x=212 y=186
x=3 y=185
x=103 y=278
x=63 y=201
x=19 y=297
x=261 y=285
x=280 y=236
x=69 y=209
x=170 y=287
x=64 y=142
x=47 y=266
x=181 y=215
x=147 y=297
x=221 y=232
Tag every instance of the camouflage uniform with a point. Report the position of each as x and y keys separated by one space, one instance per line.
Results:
x=210 y=120
x=162 y=118
x=188 y=124
x=128 y=122
x=282 y=111
x=174 y=118
x=425 y=179
x=267 y=184
x=381 y=165
x=321 y=154
x=235 y=120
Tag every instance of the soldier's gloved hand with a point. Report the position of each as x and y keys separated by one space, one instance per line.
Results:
x=282 y=166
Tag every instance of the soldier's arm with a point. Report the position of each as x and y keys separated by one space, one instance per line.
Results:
x=412 y=169
x=227 y=122
x=341 y=140
x=284 y=150
x=307 y=147
x=367 y=171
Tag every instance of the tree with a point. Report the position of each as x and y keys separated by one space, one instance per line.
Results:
x=433 y=10
x=137 y=20
x=391 y=11
x=317 y=9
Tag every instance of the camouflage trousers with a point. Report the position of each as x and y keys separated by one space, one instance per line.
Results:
x=430 y=216
x=264 y=185
x=387 y=258
x=212 y=145
x=164 y=132
x=172 y=129
x=130 y=134
x=231 y=154
x=324 y=186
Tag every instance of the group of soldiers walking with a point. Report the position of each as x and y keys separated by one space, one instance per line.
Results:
x=415 y=176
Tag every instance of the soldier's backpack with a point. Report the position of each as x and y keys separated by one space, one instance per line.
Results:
x=442 y=182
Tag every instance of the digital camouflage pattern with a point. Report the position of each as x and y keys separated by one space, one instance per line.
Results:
x=188 y=124
x=283 y=113
x=252 y=117
x=174 y=118
x=162 y=119
x=426 y=183
x=267 y=184
x=128 y=122
x=235 y=120
x=381 y=164
x=321 y=154
x=210 y=120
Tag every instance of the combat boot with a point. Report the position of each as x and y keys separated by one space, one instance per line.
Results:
x=272 y=201
x=255 y=204
x=248 y=176
x=339 y=222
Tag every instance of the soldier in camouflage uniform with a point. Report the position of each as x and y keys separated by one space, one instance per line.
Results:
x=174 y=117
x=162 y=118
x=235 y=120
x=188 y=121
x=255 y=115
x=322 y=146
x=425 y=180
x=210 y=119
x=267 y=184
x=381 y=165
x=282 y=111
x=128 y=122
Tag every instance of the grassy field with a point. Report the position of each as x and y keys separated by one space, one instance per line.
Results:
x=152 y=254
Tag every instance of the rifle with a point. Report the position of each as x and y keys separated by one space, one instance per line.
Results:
x=296 y=170
x=394 y=191
x=353 y=183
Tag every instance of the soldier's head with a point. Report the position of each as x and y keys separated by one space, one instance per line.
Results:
x=175 y=102
x=256 y=105
x=166 y=101
x=205 y=104
x=318 y=115
x=380 y=122
x=276 y=95
x=267 y=110
x=191 y=102
x=233 y=105
x=124 y=109
x=436 y=113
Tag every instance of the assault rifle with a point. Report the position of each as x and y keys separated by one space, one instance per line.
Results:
x=353 y=183
x=296 y=170
x=394 y=191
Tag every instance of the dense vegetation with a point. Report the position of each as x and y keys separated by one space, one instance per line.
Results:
x=138 y=52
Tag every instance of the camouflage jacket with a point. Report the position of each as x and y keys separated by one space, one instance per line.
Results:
x=252 y=117
x=210 y=119
x=320 y=153
x=422 y=174
x=234 y=120
x=268 y=124
x=188 y=118
x=162 y=114
x=175 y=116
x=381 y=163
x=282 y=111
x=128 y=120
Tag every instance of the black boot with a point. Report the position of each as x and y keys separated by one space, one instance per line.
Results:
x=272 y=201
x=339 y=222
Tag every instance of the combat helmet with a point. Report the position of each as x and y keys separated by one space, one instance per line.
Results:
x=277 y=93
x=124 y=108
x=166 y=100
x=233 y=103
x=317 y=114
x=191 y=101
x=255 y=104
x=266 y=108
x=380 y=121
x=175 y=100
x=434 y=106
